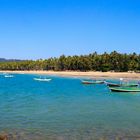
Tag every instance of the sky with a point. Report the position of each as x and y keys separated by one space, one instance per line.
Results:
x=34 y=29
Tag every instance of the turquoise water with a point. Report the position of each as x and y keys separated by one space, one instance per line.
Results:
x=64 y=109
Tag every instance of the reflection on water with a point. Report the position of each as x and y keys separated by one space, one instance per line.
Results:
x=64 y=109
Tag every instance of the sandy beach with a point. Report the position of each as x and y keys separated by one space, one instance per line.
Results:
x=90 y=74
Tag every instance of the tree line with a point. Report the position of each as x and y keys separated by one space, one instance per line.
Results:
x=113 y=61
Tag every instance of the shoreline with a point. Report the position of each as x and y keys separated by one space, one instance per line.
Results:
x=89 y=74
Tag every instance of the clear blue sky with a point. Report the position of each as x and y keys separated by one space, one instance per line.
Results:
x=32 y=29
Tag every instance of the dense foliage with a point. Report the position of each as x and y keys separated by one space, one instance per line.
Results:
x=92 y=62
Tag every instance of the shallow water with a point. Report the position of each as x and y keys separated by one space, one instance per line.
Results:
x=64 y=109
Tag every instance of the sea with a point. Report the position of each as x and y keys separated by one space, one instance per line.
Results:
x=65 y=109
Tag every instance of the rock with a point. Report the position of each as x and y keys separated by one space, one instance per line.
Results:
x=3 y=137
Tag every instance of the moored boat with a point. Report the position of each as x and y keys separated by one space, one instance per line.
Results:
x=8 y=76
x=98 y=82
x=124 y=89
x=42 y=79
x=92 y=82
x=121 y=85
x=87 y=82
x=112 y=84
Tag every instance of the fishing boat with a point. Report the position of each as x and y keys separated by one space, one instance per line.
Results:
x=98 y=82
x=124 y=89
x=112 y=84
x=87 y=82
x=42 y=79
x=92 y=82
x=121 y=85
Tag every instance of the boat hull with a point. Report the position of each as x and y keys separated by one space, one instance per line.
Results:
x=92 y=82
x=42 y=80
x=123 y=85
x=86 y=83
x=8 y=76
x=113 y=85
x=124 y=90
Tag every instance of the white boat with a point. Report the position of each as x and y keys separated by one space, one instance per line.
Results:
x=42 y=79
x=8 y=76
x=22 y=73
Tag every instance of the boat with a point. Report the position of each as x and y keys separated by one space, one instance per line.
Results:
x=121 y=85
x=113 y=84
x=92 y=82
x=98 y=82
x=124 y=89
x=22 y=73
x=87 y=82
x=42 y=79
x=8 y=76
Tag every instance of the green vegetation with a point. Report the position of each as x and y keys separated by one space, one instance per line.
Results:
x=93 y=62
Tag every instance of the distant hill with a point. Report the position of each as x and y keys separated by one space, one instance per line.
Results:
x=9 y=60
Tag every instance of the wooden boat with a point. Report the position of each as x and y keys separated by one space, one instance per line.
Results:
x=42 y=79
x=121 y=85
x=113 y=84
x=98 y=82
x=124 y=89
x=87 y=82
x=92 y=82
